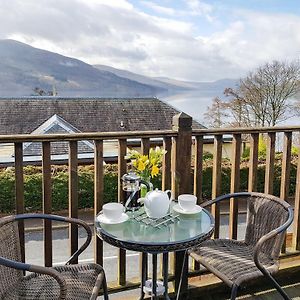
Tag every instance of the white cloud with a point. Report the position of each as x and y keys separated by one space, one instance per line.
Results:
x=199 y=6
x=160 y=9
x=118 y=34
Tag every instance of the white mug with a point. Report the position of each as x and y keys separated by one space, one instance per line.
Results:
x=113 y=211
x=187 y=202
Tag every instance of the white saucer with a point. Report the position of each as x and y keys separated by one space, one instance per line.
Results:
x=178 y=209
x=102 y=219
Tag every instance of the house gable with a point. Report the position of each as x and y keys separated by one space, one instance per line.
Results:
x=56 y=124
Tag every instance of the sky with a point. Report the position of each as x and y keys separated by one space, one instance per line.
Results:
x=191 y=40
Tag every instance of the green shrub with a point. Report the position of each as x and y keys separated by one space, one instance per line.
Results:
x=60 y=194
x=33 y=192
x=246 y=153
x=207 y=155
x=262 y=147
x=7 y=192
x=295 y=150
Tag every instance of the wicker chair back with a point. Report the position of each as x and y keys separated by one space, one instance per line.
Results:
x=265 y=213
x=9 y=248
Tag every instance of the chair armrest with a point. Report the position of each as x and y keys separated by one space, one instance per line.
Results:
x=40 y=270
x=225 y=197
x=269 y=235
x=62 y=219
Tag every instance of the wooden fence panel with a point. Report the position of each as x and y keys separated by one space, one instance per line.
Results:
x=19 y=187
x=253 y=162
x=296 y=231
x=122 y=168
x=270 y=160
x=286 y=172
x=98 y=196
x=198 y=168
x=235 y=184
x=47 y=202
x=216 y=181
x=145 y=143
x=73 y=195
x=166 y=164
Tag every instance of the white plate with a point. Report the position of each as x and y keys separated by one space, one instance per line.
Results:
x=178 y=209
x=102 y=219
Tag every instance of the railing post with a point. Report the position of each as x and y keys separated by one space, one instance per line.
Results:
x=235 y=185
x=217 y=181
x=166 y=165
x=122 y=168
x=181 y=155
x=73 y=195
x=296 y=233
x=47 y=203
x=181 y=181
x=20 y=193
x=253 y=162
x=270 y=160
x=98 y=195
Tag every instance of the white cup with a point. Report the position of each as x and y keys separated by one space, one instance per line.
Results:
x=113 y=211
x=187 y=202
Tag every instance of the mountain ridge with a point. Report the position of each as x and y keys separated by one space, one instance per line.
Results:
x=24 y=68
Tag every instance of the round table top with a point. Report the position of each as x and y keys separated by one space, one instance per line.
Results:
x=183 y=232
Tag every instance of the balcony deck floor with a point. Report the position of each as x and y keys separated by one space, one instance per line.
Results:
x=293 y=291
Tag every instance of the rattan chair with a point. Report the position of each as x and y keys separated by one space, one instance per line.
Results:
x=77 y=281
x=236 y=262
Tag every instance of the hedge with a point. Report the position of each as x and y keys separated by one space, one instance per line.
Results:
x=33 y=185
x=33 y=189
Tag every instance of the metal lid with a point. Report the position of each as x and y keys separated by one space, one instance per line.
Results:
x=131 y=177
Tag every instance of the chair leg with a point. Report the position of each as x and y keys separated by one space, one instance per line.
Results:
x=277 y=286
x=104 y=288
x=234 y=290
x=181 y=275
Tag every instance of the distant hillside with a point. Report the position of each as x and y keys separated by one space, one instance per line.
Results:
x=22 y=68
x=214 y=88
x=142 y=79
x=173 y=86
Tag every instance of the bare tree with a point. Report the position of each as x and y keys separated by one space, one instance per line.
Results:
x=262 y=98
x=216 y=113
x=265 y=92
x=40 y=92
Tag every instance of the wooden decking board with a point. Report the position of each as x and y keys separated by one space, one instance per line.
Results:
x=270 y=294
x=209 y=287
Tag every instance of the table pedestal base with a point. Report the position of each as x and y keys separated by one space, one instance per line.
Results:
x=156 y=287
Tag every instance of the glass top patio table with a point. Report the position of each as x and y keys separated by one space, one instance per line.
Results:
x=183 y=232
x=175 y=232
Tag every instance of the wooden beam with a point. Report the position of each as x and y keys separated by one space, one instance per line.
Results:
x=253 y=162
x=216 y=181
x=235 y=185
x=98 y=196
x=122 y=168
x=270 y=160
x=19 y=188
x=198 y=168
x=47 y=202
x=73 y=196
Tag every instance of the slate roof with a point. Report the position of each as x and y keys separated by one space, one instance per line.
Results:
x=24 y=115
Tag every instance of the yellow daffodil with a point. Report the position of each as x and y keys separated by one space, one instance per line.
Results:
x=146 y=165
x=141 y=165
x=154 y=171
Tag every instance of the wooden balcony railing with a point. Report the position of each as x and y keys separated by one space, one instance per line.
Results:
x=182 y=144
